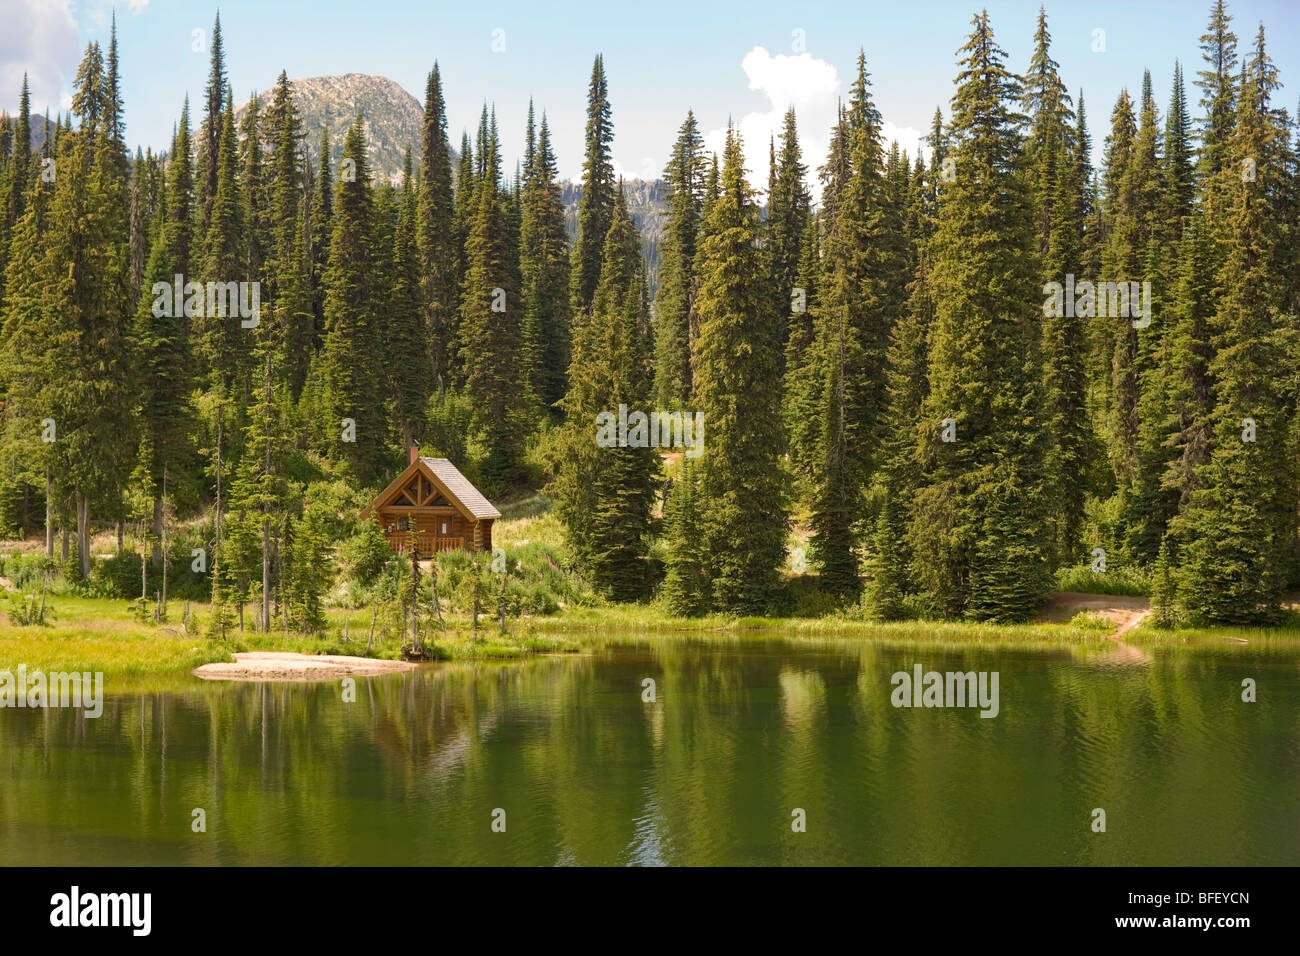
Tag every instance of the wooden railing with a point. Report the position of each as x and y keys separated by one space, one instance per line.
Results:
x=427 y=543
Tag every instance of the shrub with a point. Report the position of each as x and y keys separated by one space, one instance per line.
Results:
x=1125 y=580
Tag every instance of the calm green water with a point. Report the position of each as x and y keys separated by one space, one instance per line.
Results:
x=740 y=735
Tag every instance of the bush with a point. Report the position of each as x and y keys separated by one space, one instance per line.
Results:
x=1129 y=580
x=119 y=576
x=26 y=609
x=362 y=556
x=25 y=570
x=1092 y=621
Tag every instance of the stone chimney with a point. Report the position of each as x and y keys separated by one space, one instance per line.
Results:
x=412 y=454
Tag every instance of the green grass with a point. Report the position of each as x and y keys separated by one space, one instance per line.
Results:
x=1146 y=634
x=100 y=634
x=636 y=621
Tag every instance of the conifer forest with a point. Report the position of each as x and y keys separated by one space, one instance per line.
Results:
x=937 y=386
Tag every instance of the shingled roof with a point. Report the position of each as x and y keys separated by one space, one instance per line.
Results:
x=460 y=487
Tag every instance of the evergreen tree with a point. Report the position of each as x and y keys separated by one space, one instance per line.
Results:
x=605 y=489
x=436 y=233
x=220 y=257
x=787 y=219
x=738 y=390
x=214 y=94
x=544 y=268
x=803 y=369
x=160 y=337
x=351 y=353
x=1217 y=84
x=15 y=181
x=322 y=215
x=977 y=531
x=408 y=364
x=595 y=208
x=855 y=312
x=490 y=334
x=686 y=588
x=684 y=181
x=1240 y=522
x=292 y=317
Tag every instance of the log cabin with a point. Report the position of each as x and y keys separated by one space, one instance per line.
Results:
x=447 y=512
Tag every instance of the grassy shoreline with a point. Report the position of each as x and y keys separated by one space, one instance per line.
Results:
x=99 y=634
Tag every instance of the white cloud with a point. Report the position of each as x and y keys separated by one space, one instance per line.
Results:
x=96 y=12
x=40 y=39
x=909 y=140
x=810 y=85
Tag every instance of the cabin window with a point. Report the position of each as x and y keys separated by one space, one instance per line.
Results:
x=444 y=527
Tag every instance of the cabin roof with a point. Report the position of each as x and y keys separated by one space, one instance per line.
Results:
x=460 y=487
x=464 y=495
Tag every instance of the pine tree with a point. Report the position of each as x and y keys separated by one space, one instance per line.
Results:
x=351 y=353
x=408 y=364
x=899 y=473
x=15 y=181
x=803 y=369
x=544 y=268
x=253 y=182
x=79 y=325
x=490 y=337
x=855 y=312
x=684 y=180
x=1240 y=522
x=322 y=216
x=787 y=218
x=686 y=589
x=605 y=489
x=436 y=231
x=224 y=341
x=977 y=528
x=210 y=132
x=160 y=337
x=738 y=390
x=595 y=209
x=292 y=316
x=1218 y=93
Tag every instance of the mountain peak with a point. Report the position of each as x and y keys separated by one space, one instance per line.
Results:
x=391 y=116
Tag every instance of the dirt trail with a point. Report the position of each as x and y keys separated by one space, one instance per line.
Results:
x=1123 y=611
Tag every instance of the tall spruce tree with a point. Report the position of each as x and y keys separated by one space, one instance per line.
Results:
x=596 y=207
x=408 y=364
x=605 y=488
x=490 y=328
x=789 y=205
x=855 y=312
x=544 y=268
x=1217 y=82
x=436 y=233
x=214 y=94
x=684 y=179
x=352 y=353
x=1240 y=523
x=977 y=533
x=738 y=390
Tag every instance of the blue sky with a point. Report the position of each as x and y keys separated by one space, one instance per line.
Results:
x=740 y=60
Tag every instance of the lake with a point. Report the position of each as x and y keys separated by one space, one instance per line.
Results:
x=561 y=760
